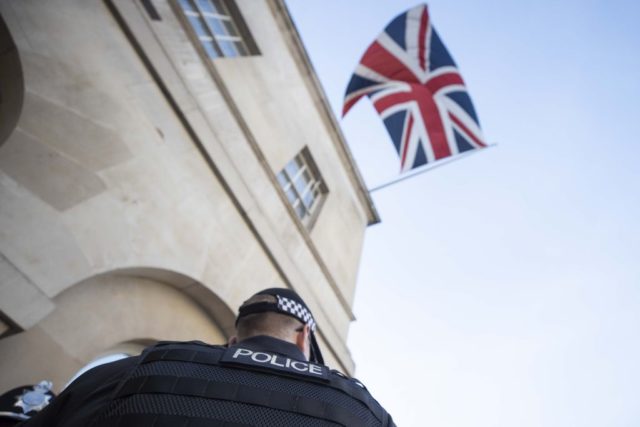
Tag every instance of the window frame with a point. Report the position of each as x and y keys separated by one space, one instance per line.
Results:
x=210 y=43
x=288 y=178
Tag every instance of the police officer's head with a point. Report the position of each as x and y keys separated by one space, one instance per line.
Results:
x=280 y=313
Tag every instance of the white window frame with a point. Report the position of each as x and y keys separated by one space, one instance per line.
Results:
x=234 y=45
x=307 y=174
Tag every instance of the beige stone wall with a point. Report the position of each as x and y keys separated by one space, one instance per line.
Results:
x=135 y=157
x=96 y=316
x=283 y=114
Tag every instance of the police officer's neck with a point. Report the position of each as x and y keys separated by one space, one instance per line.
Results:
x=299 y=339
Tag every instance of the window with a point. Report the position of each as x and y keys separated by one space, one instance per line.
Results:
x=219 y=27
x=301 y=182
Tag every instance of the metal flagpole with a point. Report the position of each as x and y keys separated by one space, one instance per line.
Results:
x=427 y=168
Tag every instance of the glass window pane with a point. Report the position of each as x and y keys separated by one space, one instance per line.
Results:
x=228 y=48
x=206 y=6
x=300 y=171
x=303 y=180
x=242 y=50
x=292 y=195
x=230 y=28
x=186 y=5
x=197 y=25
x=306 y=175
x=216 y=26
x=302 y=183
x=292 y=169
x=282 y=179
x=302 y=186
x=212 y=18
x=217 y=4
x=308 y=199
x=211 y=50
x=300 y=210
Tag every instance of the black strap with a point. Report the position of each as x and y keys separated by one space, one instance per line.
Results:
x=261 y=307
x=207 y=357
x=209 y=389
x=151 y=420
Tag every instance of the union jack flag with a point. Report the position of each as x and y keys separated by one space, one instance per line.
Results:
x=416 y=88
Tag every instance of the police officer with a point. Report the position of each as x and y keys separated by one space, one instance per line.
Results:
x=270 y=374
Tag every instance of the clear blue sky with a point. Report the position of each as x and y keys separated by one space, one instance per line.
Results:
x=503 y=289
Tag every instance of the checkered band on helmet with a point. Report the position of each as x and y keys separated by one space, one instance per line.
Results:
x=298 y=310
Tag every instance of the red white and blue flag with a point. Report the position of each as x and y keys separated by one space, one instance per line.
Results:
x=416 y=88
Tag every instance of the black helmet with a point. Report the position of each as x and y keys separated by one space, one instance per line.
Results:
x=21 y=403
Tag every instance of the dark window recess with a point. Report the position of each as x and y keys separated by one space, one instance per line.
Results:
x=7 y=326
x=151 y=10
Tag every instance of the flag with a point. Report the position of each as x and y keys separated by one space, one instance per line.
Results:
x=416 y=88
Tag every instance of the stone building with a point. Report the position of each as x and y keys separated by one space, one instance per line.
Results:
x=160 y=161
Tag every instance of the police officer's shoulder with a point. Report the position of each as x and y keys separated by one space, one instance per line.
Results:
x=358 y=390
x=184 y=345
x=182 y=351
x=353 y=381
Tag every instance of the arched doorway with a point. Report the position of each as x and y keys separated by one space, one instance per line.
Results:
x=101 y=315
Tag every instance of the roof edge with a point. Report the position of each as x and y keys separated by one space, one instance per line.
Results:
x=339 y=140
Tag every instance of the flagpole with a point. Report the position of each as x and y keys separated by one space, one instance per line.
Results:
x=427 y=168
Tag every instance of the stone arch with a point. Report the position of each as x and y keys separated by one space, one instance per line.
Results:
x=207 y=299
x=106 y=311
x=11 y=83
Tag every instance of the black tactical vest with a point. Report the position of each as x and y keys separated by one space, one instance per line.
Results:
x=198 y=385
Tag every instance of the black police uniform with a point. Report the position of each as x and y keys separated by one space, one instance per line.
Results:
x=261 y=381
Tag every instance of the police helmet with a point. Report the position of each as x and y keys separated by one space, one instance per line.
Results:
x=21 y=403
x=289 y=303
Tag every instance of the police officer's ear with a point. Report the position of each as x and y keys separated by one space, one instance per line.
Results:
x=233 y=340
x=303 y=340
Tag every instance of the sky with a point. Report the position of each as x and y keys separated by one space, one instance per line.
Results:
x=502 y=289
